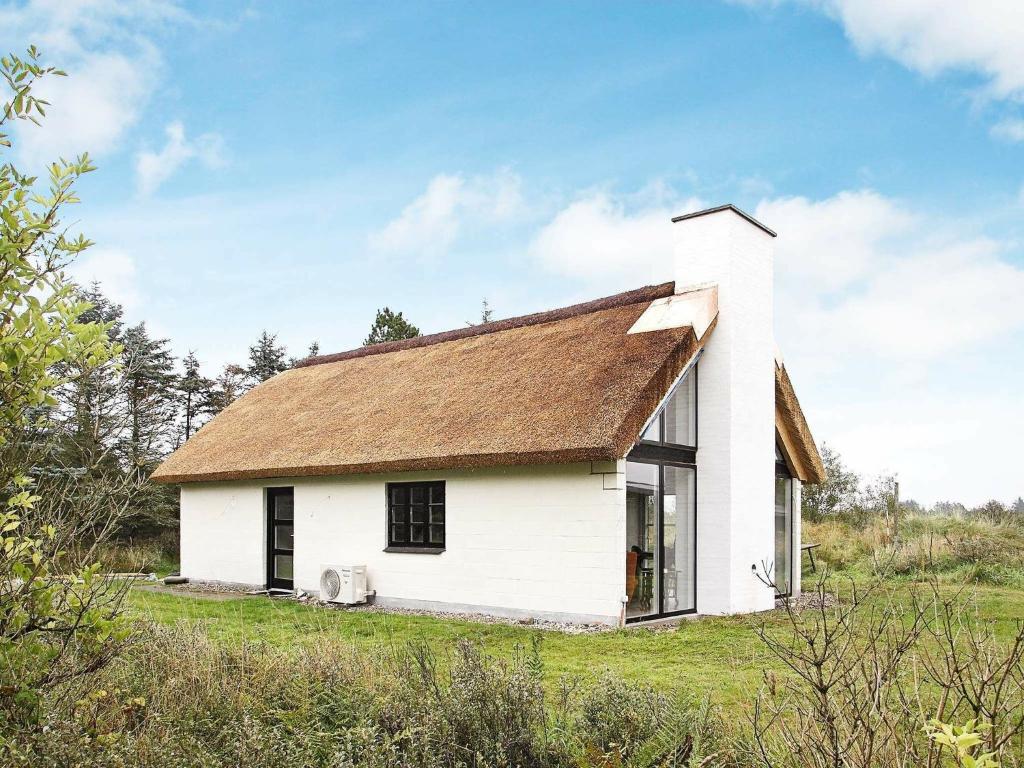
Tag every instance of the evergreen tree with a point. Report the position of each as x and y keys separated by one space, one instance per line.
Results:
x=195 y=393
x=149 y=384
x=90 y=409
x=313 y=351
x=266 y=358
x=486 y=314
x=232 y=383
x=390 y=326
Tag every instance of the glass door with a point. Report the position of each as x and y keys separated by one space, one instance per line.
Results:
x=661 y=527
x=783 y=573
x=679 y=530
x=643 y=496
x=280 y=538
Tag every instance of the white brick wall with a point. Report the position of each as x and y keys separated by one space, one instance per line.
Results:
x=735 y=457
x=223 y=532
x=534 y=541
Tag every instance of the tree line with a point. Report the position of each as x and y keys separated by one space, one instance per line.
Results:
x=846 y=495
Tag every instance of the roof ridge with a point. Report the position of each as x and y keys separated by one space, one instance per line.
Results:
x=646 y=294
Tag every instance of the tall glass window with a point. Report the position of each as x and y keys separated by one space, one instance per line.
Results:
x=661 y=510
x=679 y=501
x=681 y=414
x=783 y=569
x=676 y=423
x=643 y=495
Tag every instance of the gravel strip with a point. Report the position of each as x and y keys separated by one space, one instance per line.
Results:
x=223 y=591
x=546 y=625
x=807 y=601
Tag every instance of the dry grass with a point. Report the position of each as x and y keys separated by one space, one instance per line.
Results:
x=957 y=550
x=176 y=698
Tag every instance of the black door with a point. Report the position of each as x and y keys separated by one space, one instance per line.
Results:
x=280 y=537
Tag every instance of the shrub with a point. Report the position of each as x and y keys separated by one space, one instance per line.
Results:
x=879 y=682
x=174 y=697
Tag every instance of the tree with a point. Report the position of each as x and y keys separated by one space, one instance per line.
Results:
x=266 y=358
x=52 y=628
x=149 y=387
x=486 y=314
x=390 y=326
x=228 y=387
x=313 y=351
x=195 y=393
x=837 y=494
x=90 y=403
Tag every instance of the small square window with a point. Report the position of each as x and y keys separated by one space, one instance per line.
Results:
x=416 y=516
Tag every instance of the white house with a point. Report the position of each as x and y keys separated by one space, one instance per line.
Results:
x=633 y=457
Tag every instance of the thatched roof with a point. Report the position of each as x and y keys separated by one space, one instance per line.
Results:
x=568 y=385
x=798 y=445
x=563 y=386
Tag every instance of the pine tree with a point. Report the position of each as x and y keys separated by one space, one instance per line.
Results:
x=232 y=383
x=313 y=351
x=390 y=326
x=150 y=385
x=486 y=314
x=195 y=392
x=266 y=358
x=90 y=406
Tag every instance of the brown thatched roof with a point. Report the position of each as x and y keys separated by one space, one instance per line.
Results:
x=562 y=386
x=798 y=444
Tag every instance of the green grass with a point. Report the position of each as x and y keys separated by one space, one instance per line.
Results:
x=717 y=656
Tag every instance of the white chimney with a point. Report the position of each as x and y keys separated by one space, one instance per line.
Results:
x=736 y=402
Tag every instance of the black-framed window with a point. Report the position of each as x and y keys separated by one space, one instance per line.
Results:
x=416 y=516
x=661 y=509
x=784 y=511
x=675 y=424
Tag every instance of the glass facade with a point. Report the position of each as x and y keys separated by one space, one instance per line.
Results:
x=679 y=529
x=676 y=422
x=681 y=414
x=643 y=496
x=783 y=568
x=661 y=510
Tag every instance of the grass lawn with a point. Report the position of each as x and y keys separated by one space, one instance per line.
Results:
x=719 y=656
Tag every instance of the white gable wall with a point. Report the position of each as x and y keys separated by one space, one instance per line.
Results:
x=545 y=541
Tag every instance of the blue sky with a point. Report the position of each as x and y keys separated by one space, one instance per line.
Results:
x=294 y=166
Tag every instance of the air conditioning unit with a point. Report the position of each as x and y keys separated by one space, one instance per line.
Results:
x=343 y=584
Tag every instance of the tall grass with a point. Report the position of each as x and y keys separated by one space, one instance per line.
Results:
x=956 y=549
x=175 y=698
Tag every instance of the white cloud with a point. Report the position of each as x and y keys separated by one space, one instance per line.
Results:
x=90 y=111
x=1010 y=129
x=937 y=36
x=833 y=242
x=154 y=168
x=896 y=324
x=871 y=276
x=114 y=270
x=112 y=66
x=600 y=236
x=431 y=223
x=877 y=305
